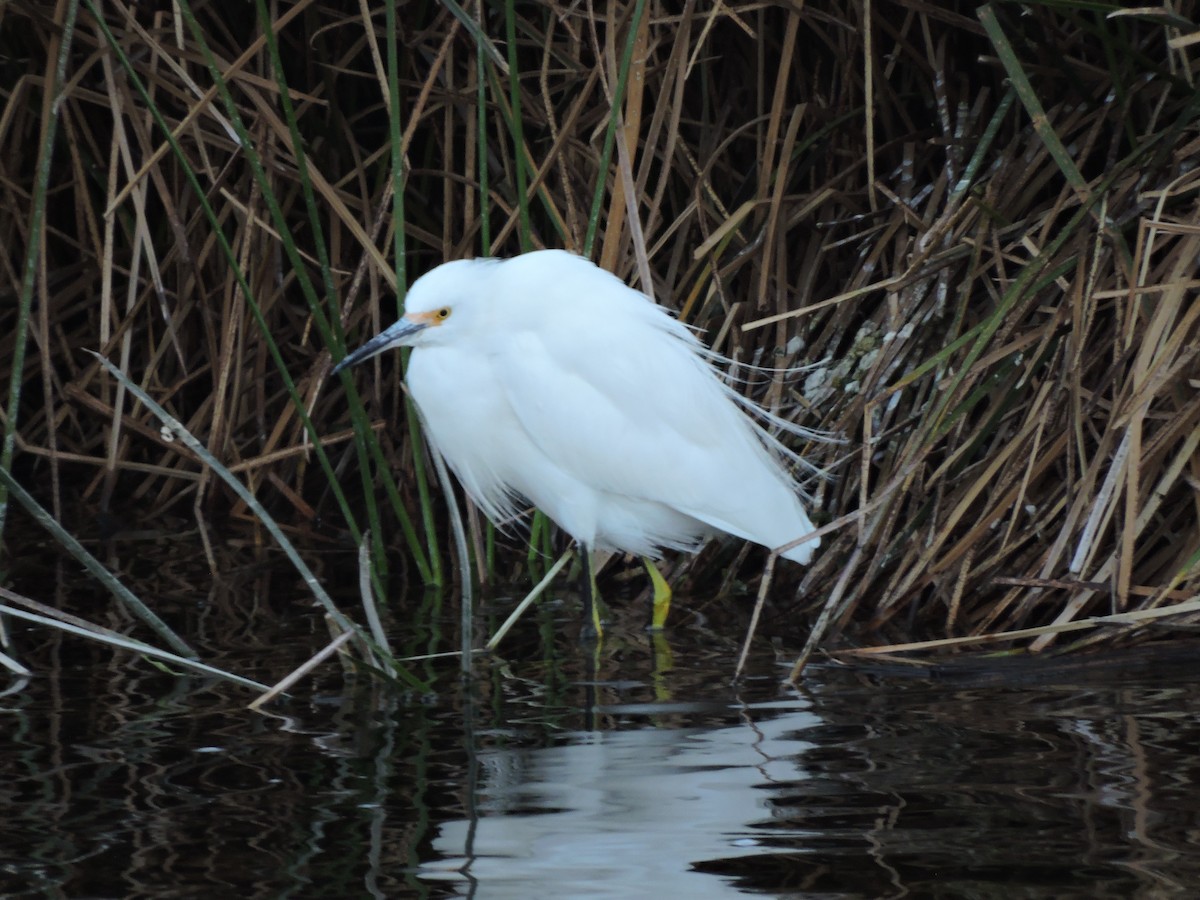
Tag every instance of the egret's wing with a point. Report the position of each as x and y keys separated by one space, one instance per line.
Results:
x=630 y=410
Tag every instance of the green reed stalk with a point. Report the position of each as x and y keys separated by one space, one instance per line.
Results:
x=29 y=269
x=610 y=134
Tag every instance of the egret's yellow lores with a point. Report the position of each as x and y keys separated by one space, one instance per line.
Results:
x=544 y=378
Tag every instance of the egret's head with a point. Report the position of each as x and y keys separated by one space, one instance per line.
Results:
x=440 y=304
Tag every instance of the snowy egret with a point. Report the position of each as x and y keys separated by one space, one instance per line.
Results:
x=543 y=377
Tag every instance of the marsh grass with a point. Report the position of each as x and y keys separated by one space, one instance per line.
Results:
x=980 y=224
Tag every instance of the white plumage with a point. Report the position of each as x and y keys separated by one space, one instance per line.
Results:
x=544 y=377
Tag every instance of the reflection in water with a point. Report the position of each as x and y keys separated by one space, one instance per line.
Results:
x=606 y=813
x=120 y=781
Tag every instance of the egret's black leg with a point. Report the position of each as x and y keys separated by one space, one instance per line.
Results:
x=591 y=662
x=592 y=628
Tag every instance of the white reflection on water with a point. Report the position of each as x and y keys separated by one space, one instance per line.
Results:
x=625 y=814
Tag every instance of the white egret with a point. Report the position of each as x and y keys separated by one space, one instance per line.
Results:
x=544 y=378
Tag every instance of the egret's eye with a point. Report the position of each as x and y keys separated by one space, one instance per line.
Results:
x=442 y=314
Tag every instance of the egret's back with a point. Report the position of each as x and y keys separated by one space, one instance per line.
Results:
x=568 y=388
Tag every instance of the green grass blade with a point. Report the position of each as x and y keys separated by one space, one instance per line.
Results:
x=610 y=133
x=330 y=327
x=516 y=126
x=1029 y=98
x=30 y=267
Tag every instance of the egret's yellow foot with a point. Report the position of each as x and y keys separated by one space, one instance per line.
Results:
x=662 y=595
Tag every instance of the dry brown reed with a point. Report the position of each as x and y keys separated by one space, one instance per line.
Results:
x=980 y=227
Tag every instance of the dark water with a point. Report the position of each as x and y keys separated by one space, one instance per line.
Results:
x=554 y=774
